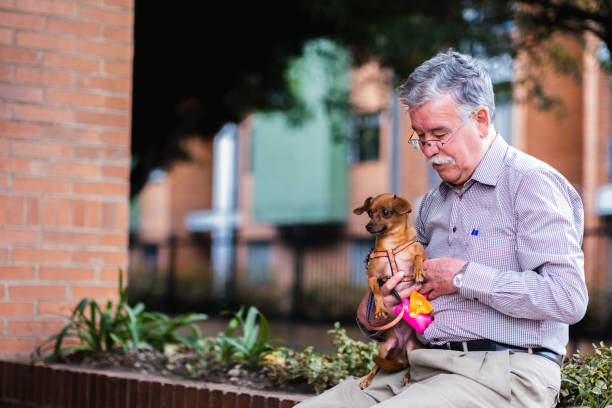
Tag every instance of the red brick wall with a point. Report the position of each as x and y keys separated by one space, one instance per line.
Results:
x=65 y=112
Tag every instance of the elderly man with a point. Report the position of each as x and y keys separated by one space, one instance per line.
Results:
x=505 y=277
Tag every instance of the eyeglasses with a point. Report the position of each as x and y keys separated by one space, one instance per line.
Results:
x=441 y=138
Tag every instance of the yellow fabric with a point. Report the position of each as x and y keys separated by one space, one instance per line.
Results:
x=418 y=304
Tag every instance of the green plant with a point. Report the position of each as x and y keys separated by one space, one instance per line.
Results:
x=92 y=329
x=249 y=347
x=586 y=380
x=320 y=370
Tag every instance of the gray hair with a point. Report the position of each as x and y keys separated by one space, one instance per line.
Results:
x=465 y=78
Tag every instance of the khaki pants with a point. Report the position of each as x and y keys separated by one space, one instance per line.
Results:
x=443 y=378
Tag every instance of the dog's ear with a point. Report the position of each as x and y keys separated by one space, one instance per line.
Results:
x=400 y=206
x=365 y=207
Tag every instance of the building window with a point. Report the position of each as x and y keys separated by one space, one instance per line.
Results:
x=360 y=248
x=365 y=138
x=259 y=263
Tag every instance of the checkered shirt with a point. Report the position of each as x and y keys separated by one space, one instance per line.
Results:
x=519 y=223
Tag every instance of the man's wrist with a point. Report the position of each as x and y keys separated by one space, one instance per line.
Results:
x=458 y=278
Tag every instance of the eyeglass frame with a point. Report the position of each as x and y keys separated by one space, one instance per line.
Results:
x=418 y=144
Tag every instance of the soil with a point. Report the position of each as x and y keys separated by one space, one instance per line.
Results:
x=156 y=363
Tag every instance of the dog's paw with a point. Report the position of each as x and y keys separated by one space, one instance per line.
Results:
x=406 y=378
x=365 y=383
x=381 y=314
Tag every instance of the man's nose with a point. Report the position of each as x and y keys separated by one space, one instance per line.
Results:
x=429 y=149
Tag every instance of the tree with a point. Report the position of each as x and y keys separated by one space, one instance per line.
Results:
x=197 y=69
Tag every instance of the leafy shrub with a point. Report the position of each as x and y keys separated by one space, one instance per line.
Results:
x=92 y=329
x=586 y=380
x=322 y=371
x=249 y=347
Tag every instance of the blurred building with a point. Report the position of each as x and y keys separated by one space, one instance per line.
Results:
x=296 y=247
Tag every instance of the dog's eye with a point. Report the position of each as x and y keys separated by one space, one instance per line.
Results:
x=370 y=213
x=385 y=212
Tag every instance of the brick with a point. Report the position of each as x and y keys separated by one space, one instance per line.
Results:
x=118 y=102
x=216 y=399
x=244 y=400
x=15 y=165
x=120 y=3
x=40 y=292
x=22 y=273
x=116 y=138
x=32 y=211
x=110 y=153
x=43 y=77
x=56 y=8
x=16 y=308
x=50 y=308
x=10 y=346
x=5 y=110
x=120 y=240
x=5 y=147
x=179 y=396
x=19 y=56
x=45 y=41
x=21 y=93
x=19 y=129
x=71 y=62
x=3 y=258
x=121 y=34
x=105 y=16
x=34 y=328
x=21 y=21
x=272 y=402
x=286 y=403
x=203 y=398
x=78 y=213
x=103 y=49
x=64 y=212
x=6 y=73
x=75 y=28
x=7 y=4
x=103 y=119
x=109 y=215
x=93 y=213
x=18 y=236
x=118 y=68
x=102 y=83
x=7 y=36
x=121 y=172
x=41 y=256
x=49 y=211
x=4 y=182
x=229 y=399
x=41 y=149
x=11 y=210
x=106 y=257
x=111 y=275
x=259 y=401
x=70 y=238
x=42 y=114
x=64 y=97
x=106 y=189
x=72 y=169
x=71 y=134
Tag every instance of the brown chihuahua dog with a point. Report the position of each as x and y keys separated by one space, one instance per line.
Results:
x=394 y=240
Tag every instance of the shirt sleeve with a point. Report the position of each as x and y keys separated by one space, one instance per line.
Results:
x=549 y=231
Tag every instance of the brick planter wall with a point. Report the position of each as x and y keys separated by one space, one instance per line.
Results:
x=55 y=386
x=65 y=113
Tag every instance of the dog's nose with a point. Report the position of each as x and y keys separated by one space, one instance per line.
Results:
x=370 y=227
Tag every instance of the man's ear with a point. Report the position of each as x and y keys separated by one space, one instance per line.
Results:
x=365 y=207
x=400 y=206
x=483 y=121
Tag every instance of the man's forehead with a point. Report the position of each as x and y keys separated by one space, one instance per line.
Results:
x=439 y=113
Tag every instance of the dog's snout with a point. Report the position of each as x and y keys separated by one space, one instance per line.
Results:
x=370 y=227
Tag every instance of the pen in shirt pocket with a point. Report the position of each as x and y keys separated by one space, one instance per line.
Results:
x=474 y=230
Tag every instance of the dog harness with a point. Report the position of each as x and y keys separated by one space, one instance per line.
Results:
x=390 y=255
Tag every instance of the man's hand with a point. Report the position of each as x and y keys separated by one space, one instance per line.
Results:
x=439 y=274
x=403 y=289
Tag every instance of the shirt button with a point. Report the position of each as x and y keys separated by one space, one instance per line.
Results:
x=454 y=229
x=461 y=196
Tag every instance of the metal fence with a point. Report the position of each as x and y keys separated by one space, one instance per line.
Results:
x=307 y=279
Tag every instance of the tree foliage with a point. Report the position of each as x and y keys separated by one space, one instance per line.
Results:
x=196 y=68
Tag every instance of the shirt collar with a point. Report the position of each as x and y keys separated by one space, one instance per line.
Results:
x=489 y=168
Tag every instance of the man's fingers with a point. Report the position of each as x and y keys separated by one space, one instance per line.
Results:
x=404 y=293
x=391 y=283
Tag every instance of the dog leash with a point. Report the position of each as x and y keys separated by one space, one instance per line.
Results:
x=390 y=255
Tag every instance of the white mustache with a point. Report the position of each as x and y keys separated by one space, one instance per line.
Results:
x=441 y=160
